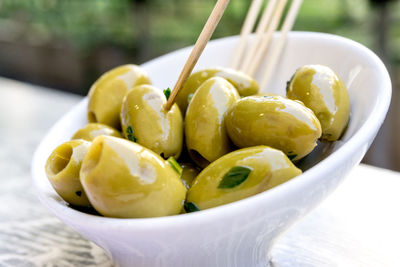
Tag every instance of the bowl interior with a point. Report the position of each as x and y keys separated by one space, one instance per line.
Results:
x=352 y=62
x=360 y=69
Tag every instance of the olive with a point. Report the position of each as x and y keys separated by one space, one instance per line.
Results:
x=126 y=180
x=145 y=120
x=273 y=121
x=206 y=137
x=244 y=84
x=267 y=94
x=189 y=173
x=106 y=94
x=238 y=175
x=92 y=130
x=322 y=90
x=62 y=169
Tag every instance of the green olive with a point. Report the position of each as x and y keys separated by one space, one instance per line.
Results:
x=92 y=130
x=273 y=121
x=126 y=180
x=244 y=84
x=240 y=174
x=145 y=120
x=321 y=90
x=62 y=169
x=106 y=94
x=206 y=137
x=267 y=94
x=189 y=173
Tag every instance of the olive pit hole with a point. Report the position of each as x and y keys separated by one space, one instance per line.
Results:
x=61 y=158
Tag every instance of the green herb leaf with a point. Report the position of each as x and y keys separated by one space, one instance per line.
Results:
x=235 y=177
x=190 y=207
x=175 y=165
x=167 y=92
x=190 y=96
x=129 y=134
x=291 y=157
x=78 y=193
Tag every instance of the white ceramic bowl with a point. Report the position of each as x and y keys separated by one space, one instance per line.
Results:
x=240 y=233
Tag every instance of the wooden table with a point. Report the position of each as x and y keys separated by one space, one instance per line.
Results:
x=358 y=225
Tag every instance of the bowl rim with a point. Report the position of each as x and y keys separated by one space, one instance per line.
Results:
x=360 y=137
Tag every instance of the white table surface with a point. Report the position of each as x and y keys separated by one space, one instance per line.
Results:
x=358 y=225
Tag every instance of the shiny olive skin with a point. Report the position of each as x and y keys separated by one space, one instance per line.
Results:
x=126 y=180
x=189 y=173
x=269 y=168
x=106 y=94
x=273 y=121
x=62 y=169
x=322 y=90
x=92 y=130
x=151 y=124
x=206 y=137
x=244 y=84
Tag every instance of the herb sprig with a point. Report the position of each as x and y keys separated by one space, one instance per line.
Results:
x=190 y=207
x=167 y=92
x=234 y=177
x=175 y=165
x=130 y=134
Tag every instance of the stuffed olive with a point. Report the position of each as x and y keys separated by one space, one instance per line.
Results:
x=321 y=90
x=206 y=137
x=244 y=84
x=274 y=121
x=62 y=169
x=126 y=180
x=238 y=175
x=145 y=120
x=92 y=130
x=106 y=94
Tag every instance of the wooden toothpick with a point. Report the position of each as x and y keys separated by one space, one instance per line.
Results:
x=247 y=28
x=198 y=48
x=277 y=50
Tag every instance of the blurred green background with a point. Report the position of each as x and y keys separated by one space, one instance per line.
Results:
x=68 y=44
